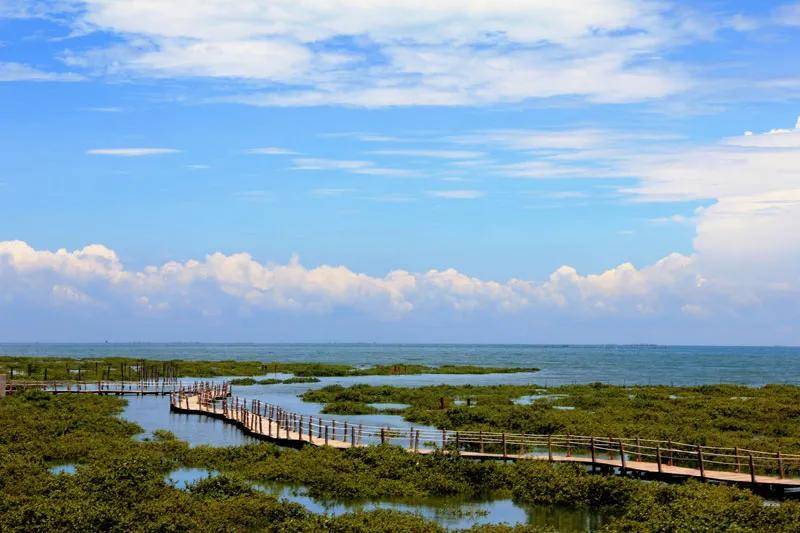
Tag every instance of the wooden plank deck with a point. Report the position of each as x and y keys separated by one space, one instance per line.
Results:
x=280 y=426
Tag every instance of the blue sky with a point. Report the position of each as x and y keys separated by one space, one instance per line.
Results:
x=604 y=171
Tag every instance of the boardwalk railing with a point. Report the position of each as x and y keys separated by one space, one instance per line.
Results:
x=665 y=457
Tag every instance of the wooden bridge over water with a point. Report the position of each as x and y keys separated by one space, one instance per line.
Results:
x=645 y=457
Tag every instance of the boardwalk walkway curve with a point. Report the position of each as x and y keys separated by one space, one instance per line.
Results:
x=647 y=456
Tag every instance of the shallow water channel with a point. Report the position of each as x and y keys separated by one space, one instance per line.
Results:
x=152 y=412
x=450 y=512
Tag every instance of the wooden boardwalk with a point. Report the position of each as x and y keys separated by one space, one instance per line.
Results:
x=765 y=470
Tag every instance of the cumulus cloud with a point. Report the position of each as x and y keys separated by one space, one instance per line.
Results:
x=227 y=288
x=95 y=273
x=749 y=230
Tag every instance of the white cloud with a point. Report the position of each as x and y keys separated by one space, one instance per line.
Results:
x=433 y=154
x=331 y=191
x=672 y=219
x=351 y=166
x=131 y=152
x=749 y=235
x=348 y=52
x=259 y=59
x=459 y=194
x=95 y=272
x=10 y=71
x=271 y=150
x=678 y=287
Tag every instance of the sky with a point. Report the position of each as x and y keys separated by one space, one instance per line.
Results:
x=593 y=171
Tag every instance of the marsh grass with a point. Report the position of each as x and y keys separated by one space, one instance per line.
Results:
x=714 y=415
x=119 y=368
x=119 y=484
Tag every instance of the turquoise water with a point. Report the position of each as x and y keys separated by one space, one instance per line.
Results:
x=679 y=365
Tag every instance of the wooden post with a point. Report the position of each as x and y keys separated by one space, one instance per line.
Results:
x=591 y=447
x=569 y=446
x=326 y=435
x=550 y=448
x=383 y=436
x=702 y=463
x=352 y=436
x=441 y=403
x=621 y=456
x=481 y=440
x=411 y=438
x=505 y=452
x=444 y=439
x=458 y=442
x=738 y=463
x=638 y=449
x=658 y=457
x=752 y=469
x=669 y=443
x=780 y=464
x=269 y=427
x=416 y=442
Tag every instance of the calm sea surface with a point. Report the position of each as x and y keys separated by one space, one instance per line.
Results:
x=679 y=365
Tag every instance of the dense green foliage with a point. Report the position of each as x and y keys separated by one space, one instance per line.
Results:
x=119 y=484
x=272 y=381
x=766 y=418
x=116 y=368
x=388 y=472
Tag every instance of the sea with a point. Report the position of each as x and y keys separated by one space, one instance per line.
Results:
x=558 y=364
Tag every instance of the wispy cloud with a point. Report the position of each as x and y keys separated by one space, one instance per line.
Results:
x=131 y=152
x=271 y=150
x=459 y=194
x=10 y=71
x=331 y=191
x=344 y=165
x=673 y=219
x=362 y=136
x=434 y=154
x=442 y=56
x=253 y=196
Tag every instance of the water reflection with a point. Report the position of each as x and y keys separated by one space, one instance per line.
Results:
x=152 y=413
x=450 y=512
x=181 y=478
x=68 y=468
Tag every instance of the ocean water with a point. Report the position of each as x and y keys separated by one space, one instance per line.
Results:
x=623 y=364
